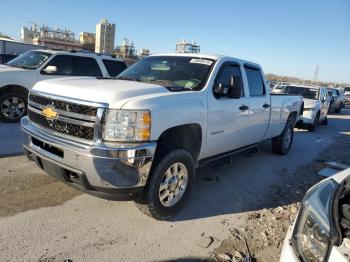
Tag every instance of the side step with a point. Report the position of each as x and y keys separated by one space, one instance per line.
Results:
x=224 y=160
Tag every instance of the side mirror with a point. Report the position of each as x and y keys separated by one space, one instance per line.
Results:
x=50 y=70
x=231 y=90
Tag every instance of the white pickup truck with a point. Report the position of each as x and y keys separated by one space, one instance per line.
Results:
x=19 y=75
x=143 y=134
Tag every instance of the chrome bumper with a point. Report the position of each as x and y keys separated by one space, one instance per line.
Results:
x=109 y=168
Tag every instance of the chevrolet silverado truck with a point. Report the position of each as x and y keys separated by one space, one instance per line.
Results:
x=19 y=75
x=143 y=134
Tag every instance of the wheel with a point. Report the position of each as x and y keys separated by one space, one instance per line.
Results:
x=337 y=110
x=325 y=121
x=313 y=126
x=169 y=185
x=282 y=143
x=12 y=107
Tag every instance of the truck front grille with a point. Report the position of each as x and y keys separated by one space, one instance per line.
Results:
x=62 y=127
x=71 y=119
x=63 y=105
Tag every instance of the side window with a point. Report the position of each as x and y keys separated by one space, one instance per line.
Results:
x=63 y=64
x=229 y=73
x=86 y=66
x=114 y=67
x=255 y=81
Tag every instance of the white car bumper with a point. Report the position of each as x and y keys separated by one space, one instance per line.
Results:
x=308 y=117
x=287 y=254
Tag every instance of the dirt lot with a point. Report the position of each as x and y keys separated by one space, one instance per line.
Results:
x=262 y=232
x=252 y=201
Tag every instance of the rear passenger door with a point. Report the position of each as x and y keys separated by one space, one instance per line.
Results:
x=259 y=104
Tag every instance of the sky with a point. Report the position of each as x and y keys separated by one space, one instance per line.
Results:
x=285 y=37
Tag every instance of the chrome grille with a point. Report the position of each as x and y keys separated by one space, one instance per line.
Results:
x=63 y=105
x=72 y=119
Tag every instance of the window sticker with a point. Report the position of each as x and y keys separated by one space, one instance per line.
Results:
x=201 y=61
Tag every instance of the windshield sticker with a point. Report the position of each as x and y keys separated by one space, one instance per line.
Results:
x=201 y=61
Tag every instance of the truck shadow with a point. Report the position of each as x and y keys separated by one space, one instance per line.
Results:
x=264 y=180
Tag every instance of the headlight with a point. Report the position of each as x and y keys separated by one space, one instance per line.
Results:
x=311 y=236
x=126 y=125
x=310 y=109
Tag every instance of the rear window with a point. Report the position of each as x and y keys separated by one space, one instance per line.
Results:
x=114 y=67
x=255 y=81
x=86 y=66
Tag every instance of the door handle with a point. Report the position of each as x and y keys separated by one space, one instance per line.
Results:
x=243 y=108
x=266 y=106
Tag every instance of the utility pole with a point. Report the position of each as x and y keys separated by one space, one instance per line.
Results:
x=317 y=69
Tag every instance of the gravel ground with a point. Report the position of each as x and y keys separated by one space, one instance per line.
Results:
x=262 y=232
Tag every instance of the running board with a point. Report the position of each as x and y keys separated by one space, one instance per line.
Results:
x=209 y=160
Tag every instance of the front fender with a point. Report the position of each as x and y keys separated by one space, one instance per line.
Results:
x=172 y=109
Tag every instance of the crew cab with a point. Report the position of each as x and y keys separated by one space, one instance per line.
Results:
x=19 y=75
x=316 y=104
x=321 y=231
x=143 y=134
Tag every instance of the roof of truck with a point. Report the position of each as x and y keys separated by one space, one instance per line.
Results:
x=80 y=53
x=207 y=56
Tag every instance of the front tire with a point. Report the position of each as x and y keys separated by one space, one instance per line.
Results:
x=283 y=143
x=325 y=121
x=313 y=126
x=169 y=185
x=12 y=107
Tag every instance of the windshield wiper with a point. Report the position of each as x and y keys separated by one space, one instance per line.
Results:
x=129 y=78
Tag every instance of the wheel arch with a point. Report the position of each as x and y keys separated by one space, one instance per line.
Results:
x=187 y=137
x=14 y=88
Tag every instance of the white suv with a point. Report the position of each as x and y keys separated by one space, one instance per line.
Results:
x=316 y=104
x=19 y=75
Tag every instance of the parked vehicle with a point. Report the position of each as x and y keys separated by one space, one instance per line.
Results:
x=316 y=104
x=321 y=231
x=4 y=58
x=143 y=134
x=20 y=74
x=336 y=100
x=347 y=95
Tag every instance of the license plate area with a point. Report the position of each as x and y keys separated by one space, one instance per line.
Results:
x=48 y=147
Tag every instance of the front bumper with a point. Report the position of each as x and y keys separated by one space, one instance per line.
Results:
x=111 y=171
x=308 y=117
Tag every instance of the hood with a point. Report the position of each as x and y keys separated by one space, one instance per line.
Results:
x=5 y=68
x=310 y=103
x=111 y=91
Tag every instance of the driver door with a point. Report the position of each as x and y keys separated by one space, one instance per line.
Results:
x=228 y=118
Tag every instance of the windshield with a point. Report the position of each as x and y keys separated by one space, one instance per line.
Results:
x=347 y=89
x=30 y=60
x=176 y=73
x=309 y=93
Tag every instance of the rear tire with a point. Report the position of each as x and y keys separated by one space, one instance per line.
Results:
x=12 y=107
x=283 y=143
x=337 y=110
x=163 y=181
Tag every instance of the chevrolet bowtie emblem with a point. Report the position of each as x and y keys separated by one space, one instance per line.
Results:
x=49 y=113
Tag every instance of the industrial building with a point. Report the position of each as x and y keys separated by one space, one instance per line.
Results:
x=182 y=46
x=87 y=41
x=105 y=34
x=61 y=39
x=144 y=52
